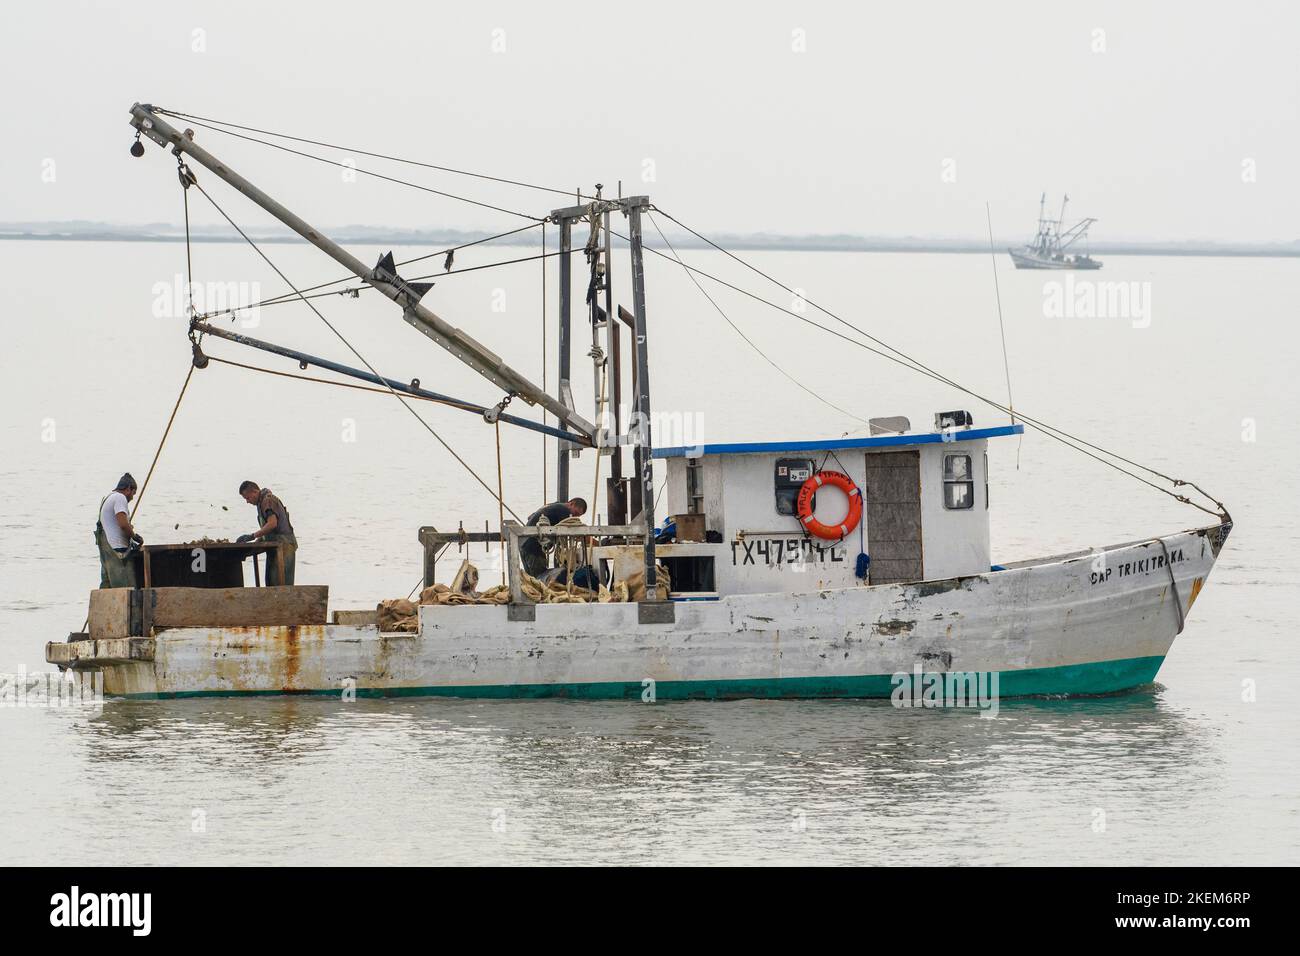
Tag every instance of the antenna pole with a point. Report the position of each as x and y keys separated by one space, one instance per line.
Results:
x=1006 y=365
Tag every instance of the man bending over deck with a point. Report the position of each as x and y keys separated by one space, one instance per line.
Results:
x=531 y=554
x=274 y=526
x=114 y=535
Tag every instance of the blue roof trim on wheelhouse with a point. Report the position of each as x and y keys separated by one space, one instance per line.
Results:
x=829 y=444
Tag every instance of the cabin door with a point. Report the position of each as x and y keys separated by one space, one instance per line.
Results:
x=893 y=514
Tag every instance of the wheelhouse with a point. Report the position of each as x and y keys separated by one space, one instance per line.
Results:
x=734 y=525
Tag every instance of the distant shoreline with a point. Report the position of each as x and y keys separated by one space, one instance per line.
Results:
x=51 y=232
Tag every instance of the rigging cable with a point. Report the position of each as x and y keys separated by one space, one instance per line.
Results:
x=184 y=172
x=997 y=290
x=1048 y=430
x=748 y=341
x=368 y=172
x=1006 y=364
x=545 y=486
x=907 y=361
x=501 y=500
x=186 y=179
x=429 y=428
x=290 y=297
x=363 y=152
x=902 y=358
x=354 y=291
x=163 y=441
x=328 y=381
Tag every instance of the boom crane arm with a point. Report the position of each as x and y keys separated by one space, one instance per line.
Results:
x=1075 y=233
x=383 y=277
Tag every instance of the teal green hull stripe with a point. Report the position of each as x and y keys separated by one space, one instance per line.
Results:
x=1101 y=677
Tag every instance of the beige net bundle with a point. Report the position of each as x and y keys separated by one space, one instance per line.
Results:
x=570 y=552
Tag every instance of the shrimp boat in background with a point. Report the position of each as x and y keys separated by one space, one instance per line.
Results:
x=781 y=577
x=1050 y=247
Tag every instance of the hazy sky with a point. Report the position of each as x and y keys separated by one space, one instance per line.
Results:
x=868 y=118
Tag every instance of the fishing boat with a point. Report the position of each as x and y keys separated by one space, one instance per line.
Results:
x=1051 y=245
x=813 y=567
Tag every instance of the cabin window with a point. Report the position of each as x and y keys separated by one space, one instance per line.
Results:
x=694 y=486
x=958 y=483
x=986 y=481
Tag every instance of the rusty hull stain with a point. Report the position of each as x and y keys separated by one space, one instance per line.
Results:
x=894 y=627
x=276 y=643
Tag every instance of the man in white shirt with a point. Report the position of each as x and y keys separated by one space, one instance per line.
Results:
x=114 y=534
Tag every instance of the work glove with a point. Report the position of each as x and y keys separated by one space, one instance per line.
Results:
x=138 y=539
x=244 y=539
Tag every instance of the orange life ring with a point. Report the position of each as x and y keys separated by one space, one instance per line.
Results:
x=835 y=479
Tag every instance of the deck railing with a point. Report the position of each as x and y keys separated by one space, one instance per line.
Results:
x=515 y=532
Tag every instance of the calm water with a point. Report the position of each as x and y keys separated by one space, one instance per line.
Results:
x=1186 y=772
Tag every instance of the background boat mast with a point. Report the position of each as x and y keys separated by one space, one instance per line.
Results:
x=1060 y=220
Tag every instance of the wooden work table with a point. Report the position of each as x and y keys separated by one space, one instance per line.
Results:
x=172 y=565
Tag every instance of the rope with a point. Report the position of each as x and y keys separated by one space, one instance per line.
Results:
x=329 y=381
x=604 y=384
x=545 y=485
x=1178 y=601
x=997 y=290
x=275 y=299
x=166 y=431
x=915 y=364
x=418 y=417
x=367 y=172
x=501 y=516
x=189 y=261
x=189 y=287
x=355 y=290
x=362 y=152
x=571 y=551
x=900 y=358
x=748 y=341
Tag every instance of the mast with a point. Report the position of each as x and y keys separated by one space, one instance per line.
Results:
x=639 y=425
x=643 y=456
x=382 y=277
x=1041 y=244
x=564 y=389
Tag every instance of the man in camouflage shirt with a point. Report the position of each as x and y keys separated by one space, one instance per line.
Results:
x=273 y=526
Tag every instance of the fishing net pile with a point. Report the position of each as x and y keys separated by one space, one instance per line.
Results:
x=571 y=555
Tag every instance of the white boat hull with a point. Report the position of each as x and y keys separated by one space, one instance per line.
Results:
x=1024 y=260
x=1092 y=622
